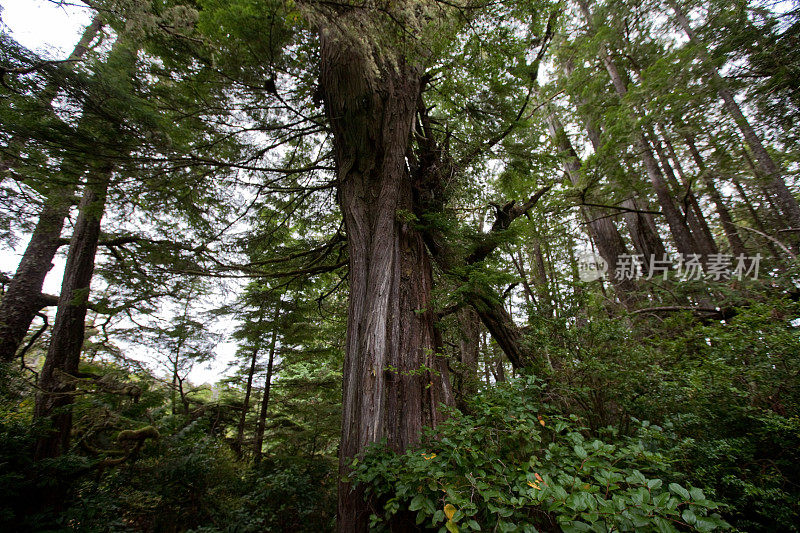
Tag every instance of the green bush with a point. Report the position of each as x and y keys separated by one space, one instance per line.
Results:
x=513 y=464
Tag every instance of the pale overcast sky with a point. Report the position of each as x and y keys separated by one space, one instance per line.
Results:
x=53 y=30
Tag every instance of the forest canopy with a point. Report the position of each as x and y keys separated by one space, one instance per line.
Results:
x=488 y=265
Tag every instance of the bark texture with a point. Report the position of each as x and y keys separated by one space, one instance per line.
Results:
x=393 y=378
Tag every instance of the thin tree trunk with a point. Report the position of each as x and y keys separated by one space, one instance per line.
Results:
x=23 y=299
x=641 y=226
x=245 y=404
x=774 y=179
x=681 y=234
x=519 y=264
x=728 y=226
x=601 y=228
x=262 y=415
x=540 y=281
x=691 y=207
x=468 y=348
x=756 y=218
x=174 y=390
x=775 y=216
x=56 y=386
x=499 y=370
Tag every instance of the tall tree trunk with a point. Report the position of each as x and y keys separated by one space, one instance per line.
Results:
x=56 y=385
x=173 y=393
x=262 y=415
x=641 y=226
x=50 y=90
x=728 y=226
x=774 y=179
x=23 y=299
x=691 y=207
x=756 y=218
x=245 y=404
x=391 y=335
x=540 y=280
x=643 y=230
x=775 y=218
x=601 y=228
x=684 y=242
x=681 y=234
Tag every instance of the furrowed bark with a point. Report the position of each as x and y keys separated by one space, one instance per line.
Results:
x=393 y=378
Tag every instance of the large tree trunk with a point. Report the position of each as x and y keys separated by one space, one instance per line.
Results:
x=393 y=378
x=23 y=299
x=774 y=179
x=56 y=385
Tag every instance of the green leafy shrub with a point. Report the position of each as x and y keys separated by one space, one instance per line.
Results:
x=513 y=464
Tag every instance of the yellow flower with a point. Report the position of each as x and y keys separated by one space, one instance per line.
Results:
x=428 y=458
x=534 y=485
